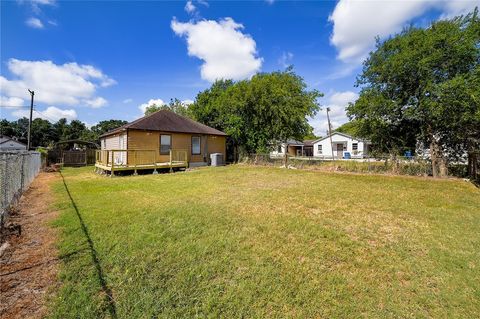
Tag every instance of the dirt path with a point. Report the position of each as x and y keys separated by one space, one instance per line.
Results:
x=28 y=266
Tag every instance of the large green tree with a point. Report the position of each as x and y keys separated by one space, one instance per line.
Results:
x=350 y=128
x=175 y=105
x=43 y=133
x=107 y=125
x=207 y=106
x=46 y=134
x=254 y=113
x=422 y=85
x=8 y=128
x=61 y=129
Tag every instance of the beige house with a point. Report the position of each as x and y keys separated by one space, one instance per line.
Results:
x=160 y=140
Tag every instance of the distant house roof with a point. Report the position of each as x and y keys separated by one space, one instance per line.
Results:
x=297 y=143
x=4 y=138
x=167 y=121
x=8 y=143
x=308 y=142
x=342 y=134
x=294 y=142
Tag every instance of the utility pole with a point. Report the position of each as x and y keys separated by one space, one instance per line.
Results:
x=32 y=93
x=330 y=133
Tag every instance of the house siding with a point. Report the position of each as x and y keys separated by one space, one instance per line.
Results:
x=216 y=144
x=292 y=150
x=336 y=139
x=116 y=142
x=150 y=140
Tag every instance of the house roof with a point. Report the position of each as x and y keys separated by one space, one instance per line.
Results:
x=342 y=134
x=5 y=139
x=8 y=143
x=299 y=143
x=167 y=121
x=308 y=142
x=294 y=142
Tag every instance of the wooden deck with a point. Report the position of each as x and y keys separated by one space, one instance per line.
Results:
x=135 y=160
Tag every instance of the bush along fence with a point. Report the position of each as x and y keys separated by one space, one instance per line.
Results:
x=17 y=171
x=415 y=166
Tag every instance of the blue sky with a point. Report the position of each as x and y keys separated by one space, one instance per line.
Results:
x=100 y=60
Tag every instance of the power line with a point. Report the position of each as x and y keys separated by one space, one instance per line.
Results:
x=14 y=107
x=45 y=116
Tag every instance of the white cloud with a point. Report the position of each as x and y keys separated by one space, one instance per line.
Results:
x=337 y=103
x=11 y=102
x=34 y=23
x=187 y=102
x=458 y=7
x=44 y=2
x=126 y=101
x=285 y=59
x=343 y=98
x=357 y=23
x=96 y=102
x=190 y=7
x=51 y=113
x=143 y=107
x=89 y=125
x=35 y=4
x=226 y=52
x=54 y=84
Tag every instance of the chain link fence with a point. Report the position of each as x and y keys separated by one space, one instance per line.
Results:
x=415 y=166
x=17 y=171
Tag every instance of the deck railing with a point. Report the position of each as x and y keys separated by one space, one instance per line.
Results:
x=139 y=158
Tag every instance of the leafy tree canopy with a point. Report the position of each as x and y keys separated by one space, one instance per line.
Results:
x=254 y=113
x=105 y=126
x=175 y=105
x=45 y=134
x=350 y=128
x=422 y=84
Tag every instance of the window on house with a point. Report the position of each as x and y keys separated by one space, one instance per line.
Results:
x=319 y=149
x=104 y=144
x=355 y=146
x=279 y=149
x=165 y=144
x=196 y=145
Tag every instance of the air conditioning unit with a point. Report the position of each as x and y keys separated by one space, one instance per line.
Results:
x=216 y=159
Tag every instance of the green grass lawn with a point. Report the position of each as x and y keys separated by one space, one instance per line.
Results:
x=260 y=242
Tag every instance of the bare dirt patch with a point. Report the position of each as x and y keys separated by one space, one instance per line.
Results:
x=29 y=263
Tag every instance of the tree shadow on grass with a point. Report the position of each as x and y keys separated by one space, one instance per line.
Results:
x=96 y=261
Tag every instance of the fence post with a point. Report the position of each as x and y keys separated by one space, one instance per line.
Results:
x=22 y=174
x=134 y=162
x=155 y=162
x=5 y=188
x=112 y=173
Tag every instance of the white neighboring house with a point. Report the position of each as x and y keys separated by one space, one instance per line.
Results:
x=295 y=148
x=342 y=144
x=10 y=144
